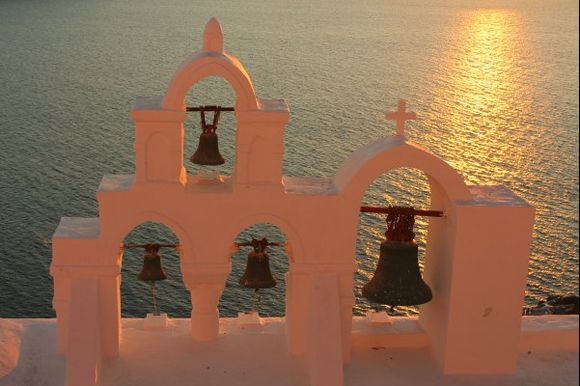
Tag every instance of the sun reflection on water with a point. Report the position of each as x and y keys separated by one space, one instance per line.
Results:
x=479 y=89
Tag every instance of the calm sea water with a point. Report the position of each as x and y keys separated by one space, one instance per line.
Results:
x=494 y=83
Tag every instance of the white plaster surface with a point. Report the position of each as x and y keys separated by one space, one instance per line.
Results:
x=116 y=183
x=495 y=195
x=309 y=185
x=279 y=105
x=77 y=228
x=256 y=356
x=148 y=103
x=464 y=250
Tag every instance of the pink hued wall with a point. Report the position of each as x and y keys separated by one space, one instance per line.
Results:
x=476 y=262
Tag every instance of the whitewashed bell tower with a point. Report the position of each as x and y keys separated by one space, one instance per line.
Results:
x=476 y=261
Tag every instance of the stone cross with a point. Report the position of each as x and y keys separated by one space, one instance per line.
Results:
x=401 y=116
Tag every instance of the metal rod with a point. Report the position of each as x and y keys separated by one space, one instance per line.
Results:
x=256 y=301
x=390 y=209
x=129 y=246
x=249 y=244
x=209 y=108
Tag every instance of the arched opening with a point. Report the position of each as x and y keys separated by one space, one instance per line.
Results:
x=172 y=296
x=398 y=187
x=236 y=298
x=210 y=91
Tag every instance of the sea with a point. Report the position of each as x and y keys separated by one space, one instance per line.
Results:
x=494 y=84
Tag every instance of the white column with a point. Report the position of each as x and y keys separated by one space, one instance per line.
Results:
x=61 y=303
x=347 y=302
x=110 y=314
x=204 y=311
x=83 y=343
x=478 y=272
x=297 y=310
x=325 y=358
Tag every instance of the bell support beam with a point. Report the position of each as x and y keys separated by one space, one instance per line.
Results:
x=392 y=209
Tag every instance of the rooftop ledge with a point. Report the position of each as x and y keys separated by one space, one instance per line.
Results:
x=257 y=356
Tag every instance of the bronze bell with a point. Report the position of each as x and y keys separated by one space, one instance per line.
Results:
x=258 y=274
x=152 y=270
x=208 y=152
x=397 y=280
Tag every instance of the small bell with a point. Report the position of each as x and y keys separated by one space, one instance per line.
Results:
x=397 y=280
x=152 y=270
x=258 y=274
x=207 y=152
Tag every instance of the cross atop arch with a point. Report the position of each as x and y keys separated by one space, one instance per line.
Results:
x=401 y=116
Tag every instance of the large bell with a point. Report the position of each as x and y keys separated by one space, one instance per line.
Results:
x=397 y=280
x=152 y=270
x=258 y=274
x=208 y=152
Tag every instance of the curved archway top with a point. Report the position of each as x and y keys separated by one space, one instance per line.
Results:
x=247 y=220
x=129 y=223
x=369 y=162
x=212 y=60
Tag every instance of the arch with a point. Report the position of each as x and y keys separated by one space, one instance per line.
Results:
x=132 y=221
x=135 y=294
x=240 y=298
x=368 y=163
x=201 y=65
x=371 y=230
x=294 y=248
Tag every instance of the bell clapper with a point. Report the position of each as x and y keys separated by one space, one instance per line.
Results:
x=257 y=300
x=153 y=289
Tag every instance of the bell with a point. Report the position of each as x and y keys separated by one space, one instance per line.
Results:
x=397 y=280
x=258 y=274
x=152 y=270
x=208 y=152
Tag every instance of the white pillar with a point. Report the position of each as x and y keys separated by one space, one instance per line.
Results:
x=204 y=311
x=347 y=302
x=297 y=309
x=477 y=266
x=83 y=343
x=61 y=304
x=110 y=314
x=325 y=358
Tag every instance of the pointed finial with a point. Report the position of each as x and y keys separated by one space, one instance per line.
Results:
x=213 y=36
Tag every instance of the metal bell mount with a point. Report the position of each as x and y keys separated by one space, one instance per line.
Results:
x=397 y=280
x=152 y=270
x=207 y=152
